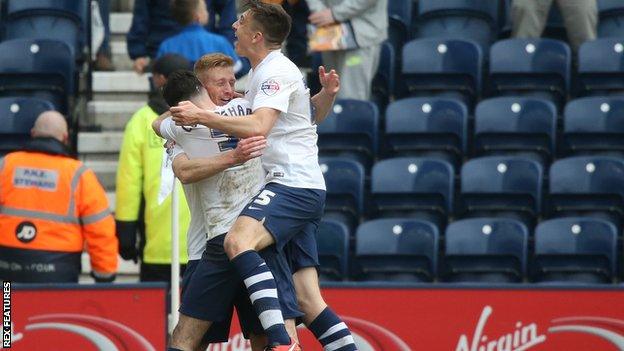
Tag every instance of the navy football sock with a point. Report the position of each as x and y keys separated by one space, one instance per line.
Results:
x=262 y=292
x=332 y=332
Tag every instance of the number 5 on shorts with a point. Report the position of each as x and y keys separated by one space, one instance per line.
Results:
x=264 y=198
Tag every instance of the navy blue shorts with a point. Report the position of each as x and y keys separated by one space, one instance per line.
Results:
x=292 y=216
x=211 y=288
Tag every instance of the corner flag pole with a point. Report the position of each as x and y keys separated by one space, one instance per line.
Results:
x=175 y=256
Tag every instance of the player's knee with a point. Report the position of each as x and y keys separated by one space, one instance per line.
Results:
x=309 y=301
x=233 y=245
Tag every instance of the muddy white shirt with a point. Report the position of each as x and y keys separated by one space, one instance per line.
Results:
x=291 y=157
x=221 y=197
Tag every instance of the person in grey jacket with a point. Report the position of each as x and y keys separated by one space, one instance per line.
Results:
x=357 y=67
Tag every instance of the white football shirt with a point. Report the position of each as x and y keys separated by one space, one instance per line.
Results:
x=223 y=196
x=291 y=157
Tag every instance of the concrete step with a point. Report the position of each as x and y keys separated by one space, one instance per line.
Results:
x=120 y=86
x=120 y=81
x=106 y=172
x=121 y=59
x=112 y=115
x=120 y=22
x=99 y=142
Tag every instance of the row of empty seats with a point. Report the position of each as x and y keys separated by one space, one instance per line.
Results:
x=452 y=40
x=443 y=128
x=64 y=20
x=479 y=21
x=505 y=186
x=530 y=67
x=492 y=250
x=45 y=45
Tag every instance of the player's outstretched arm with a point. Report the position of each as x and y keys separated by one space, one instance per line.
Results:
x=324 y=100
x=259 y=122
x=194 y=170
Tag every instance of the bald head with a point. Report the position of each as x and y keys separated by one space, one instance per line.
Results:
x=50 y=124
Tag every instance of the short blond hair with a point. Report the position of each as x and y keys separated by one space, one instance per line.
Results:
x=210 y=61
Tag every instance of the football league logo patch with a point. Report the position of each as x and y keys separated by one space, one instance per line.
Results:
x=270 y=87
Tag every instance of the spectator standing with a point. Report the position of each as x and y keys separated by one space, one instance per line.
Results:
x=50 y=205
x=194 y=41
x=580 y=18
x=369 y=20
x=138 y=180
x=152 y=23
x=103 y=61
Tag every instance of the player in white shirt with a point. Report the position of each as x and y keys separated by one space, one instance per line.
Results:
x=288 y=209
x=211 y=288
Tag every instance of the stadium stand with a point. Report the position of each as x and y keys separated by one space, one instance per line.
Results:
x=352 y=129
x=383 y=85
x=17 y=117
x=333 y=248
x=48 y=19
x=442 y=76
x=502 y=186
x=594 y=126
x=601 y=67
x=611 y=22
x=413 y=187
x=587 y=185
x=459 y=19
x=397 y=249
x=531 y=67
x=41 y=68
x=442 y=67
x=344 y=179
x=575 y=249
x=400 y=22
x=431 y=127
x=516 y=126
x=485 y=250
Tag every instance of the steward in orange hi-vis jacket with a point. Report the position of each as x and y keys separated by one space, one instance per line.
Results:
x=50 y=205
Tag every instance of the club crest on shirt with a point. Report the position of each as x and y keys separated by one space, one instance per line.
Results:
x=270 y=87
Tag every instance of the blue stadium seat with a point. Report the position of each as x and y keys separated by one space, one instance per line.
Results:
x=442 y=67
x=502 y=186
x=48 y=19
x=530 y=67
x=382 y=88
x=459 y=19
x=39 y=68
x=489 y=250
x=516 y=126
x=332 y=239
x=399 y=22
x=611 y=18
x=577 y=249
x=433 y=127
x=344 y=179
x=587 y=185
x=601 y=67
x=413 y=187
x=594 y=125
x=351 y=130
x=397 y=249
x=17 y=117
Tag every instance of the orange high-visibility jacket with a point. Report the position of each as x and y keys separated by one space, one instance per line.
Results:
x=50 y=205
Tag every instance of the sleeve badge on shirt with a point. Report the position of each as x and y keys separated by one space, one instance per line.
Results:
x=270 y=87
